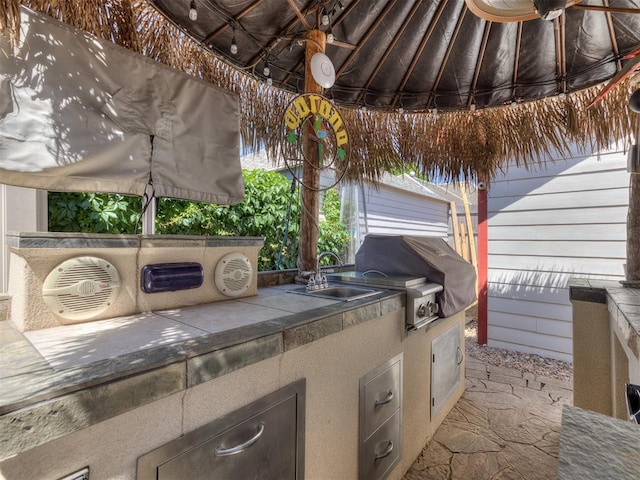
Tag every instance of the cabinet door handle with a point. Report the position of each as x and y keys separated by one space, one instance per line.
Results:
x=386 y=453
x=223 y=452
x=461 y=356
x=385 y=400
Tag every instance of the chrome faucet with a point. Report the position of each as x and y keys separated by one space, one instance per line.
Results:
x=325 y=254
x=318 y=279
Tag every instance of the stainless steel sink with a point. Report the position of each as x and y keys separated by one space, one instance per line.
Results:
x=338 y=292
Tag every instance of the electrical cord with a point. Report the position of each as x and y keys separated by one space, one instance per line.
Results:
x=147 y=198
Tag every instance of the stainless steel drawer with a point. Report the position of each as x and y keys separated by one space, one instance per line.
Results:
x=381 y=397
x=380 y=435
x=263 y=440
x=382 y=450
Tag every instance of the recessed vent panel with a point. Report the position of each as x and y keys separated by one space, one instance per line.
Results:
x=80 y=288
x=169 y=277
x=233 y=274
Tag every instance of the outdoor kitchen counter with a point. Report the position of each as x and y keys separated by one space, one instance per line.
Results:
x=84 y=374
x=606 y=344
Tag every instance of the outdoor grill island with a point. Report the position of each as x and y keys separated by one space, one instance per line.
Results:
x=324 y=364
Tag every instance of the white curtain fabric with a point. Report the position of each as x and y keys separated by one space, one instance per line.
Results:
x=82 y=114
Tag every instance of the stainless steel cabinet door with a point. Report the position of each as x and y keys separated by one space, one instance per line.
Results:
x=262 y=440
x=446 y=367
x=261 y=447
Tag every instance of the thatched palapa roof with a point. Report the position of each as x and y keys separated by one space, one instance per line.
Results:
x=446 y=133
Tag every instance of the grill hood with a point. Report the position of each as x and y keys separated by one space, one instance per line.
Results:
x=420 y=256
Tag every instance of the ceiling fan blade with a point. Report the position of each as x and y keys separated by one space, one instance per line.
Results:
x=602 y=8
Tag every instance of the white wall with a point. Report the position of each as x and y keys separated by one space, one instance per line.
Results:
x=565 y=220
x=21 y=210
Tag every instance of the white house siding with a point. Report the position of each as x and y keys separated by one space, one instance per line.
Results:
x=392 y=211
x=565 y=220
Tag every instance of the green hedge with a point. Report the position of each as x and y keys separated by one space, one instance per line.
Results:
x=263 y=213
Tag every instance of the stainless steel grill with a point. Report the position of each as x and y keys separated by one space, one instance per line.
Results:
x=421 y=307
x=420 y=256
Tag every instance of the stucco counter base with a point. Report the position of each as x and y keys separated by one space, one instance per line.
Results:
x=107 y=413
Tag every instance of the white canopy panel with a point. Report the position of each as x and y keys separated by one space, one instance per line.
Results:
x=82 y=114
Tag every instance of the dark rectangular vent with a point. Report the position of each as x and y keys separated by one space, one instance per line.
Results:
x=169 y=277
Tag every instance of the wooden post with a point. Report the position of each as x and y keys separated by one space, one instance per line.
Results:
x=463 y=242
x=454 y=223
x=467 y=215
x=632 y=277
x=311 y=166
x=633 y=232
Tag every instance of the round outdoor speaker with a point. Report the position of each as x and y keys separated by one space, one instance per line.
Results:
x=233 y=274
x=81 y=288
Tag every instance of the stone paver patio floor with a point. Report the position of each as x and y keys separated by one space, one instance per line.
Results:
x=506 y=426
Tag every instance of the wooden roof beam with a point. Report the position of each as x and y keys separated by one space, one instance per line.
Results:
x=366 y=37
x=516 y=60
x=561 y=63
x=483 y=49
x=423 y=43
x=237 y=17
x=301 y=17
x=448 y=52
x=388 y=51
x=612 y=35
x=281 y=34
x=606 y=8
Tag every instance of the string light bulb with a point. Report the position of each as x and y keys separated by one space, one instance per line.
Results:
x=234 y=46
x=269 y=81
x=193 y=11
x=330 y=37
x=325 y=18
x=266 y=71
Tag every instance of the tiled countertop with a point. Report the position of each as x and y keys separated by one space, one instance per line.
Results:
x=59 y=380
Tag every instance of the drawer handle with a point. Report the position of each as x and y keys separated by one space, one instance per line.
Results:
x=223 y=452
x=385 y=400
x=386 y=453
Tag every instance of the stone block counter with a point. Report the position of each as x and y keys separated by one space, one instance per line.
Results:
x=598 y=440
x=104 y=393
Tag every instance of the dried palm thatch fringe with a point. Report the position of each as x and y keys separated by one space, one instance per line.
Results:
x=10 y=18
x=447 y=145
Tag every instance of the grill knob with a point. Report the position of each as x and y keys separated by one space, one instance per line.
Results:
x=427 y=309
